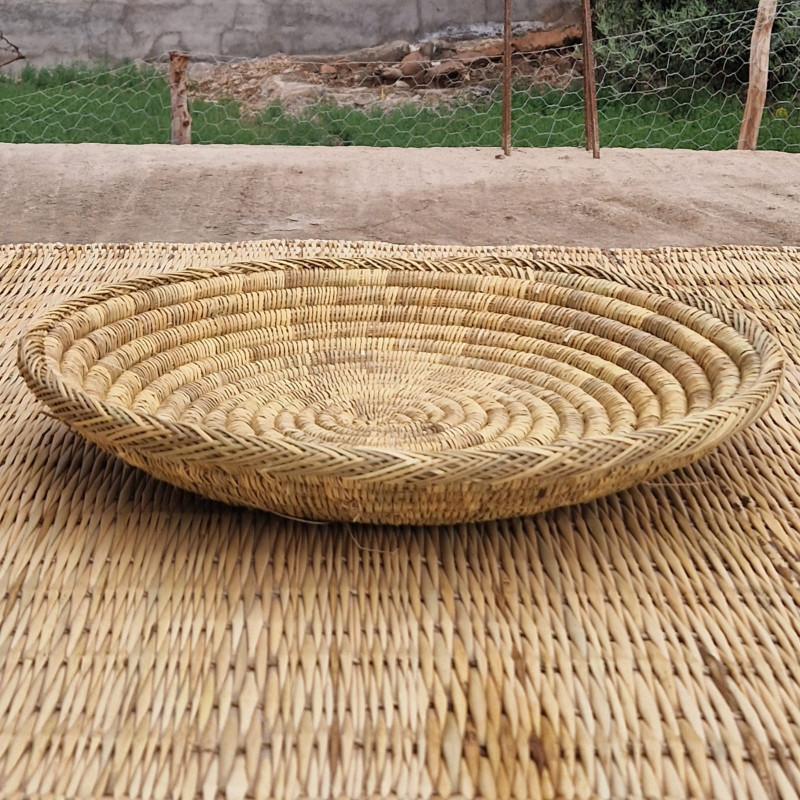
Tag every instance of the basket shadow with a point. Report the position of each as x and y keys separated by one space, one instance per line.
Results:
x=89 y=502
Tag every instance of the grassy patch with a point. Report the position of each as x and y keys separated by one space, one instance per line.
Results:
x=130 y=105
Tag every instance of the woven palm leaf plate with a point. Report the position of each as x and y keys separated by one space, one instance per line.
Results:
x=399 y=391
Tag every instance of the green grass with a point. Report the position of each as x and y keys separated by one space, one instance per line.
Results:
x=130 y=105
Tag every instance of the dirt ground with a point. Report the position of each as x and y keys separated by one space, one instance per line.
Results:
x=629 y=198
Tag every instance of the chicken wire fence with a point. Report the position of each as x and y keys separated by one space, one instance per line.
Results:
x=682 y=84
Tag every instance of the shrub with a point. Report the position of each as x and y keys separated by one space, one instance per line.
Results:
x=694 y=43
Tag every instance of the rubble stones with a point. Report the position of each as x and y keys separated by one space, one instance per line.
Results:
x=446 y=73
x=439 y=71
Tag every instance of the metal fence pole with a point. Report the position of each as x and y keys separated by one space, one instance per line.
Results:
x=589 y=86
x=506 y=133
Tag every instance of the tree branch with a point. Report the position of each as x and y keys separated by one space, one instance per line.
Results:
x=14 y=53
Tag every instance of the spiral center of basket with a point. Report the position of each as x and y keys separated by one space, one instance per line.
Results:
x=384 y=401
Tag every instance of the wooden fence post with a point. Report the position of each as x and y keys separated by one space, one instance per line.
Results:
x=179 y=98
x=759 y=72
x=506 y=132
x=589 y=86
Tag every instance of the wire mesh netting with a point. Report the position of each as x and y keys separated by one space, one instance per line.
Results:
x=682 y=84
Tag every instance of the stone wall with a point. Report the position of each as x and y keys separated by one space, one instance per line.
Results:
x=62 y=31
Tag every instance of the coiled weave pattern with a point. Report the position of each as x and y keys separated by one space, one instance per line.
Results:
x=398 y=390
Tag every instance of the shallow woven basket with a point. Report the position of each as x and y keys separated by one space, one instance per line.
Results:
x=398 y=391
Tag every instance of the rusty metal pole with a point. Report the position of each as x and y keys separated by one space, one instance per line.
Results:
x=507 y=77
x=179 y=98
x=587 y=116
x=589 y=85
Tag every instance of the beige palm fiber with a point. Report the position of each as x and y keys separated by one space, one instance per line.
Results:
x=398 y=390
x=156 y=644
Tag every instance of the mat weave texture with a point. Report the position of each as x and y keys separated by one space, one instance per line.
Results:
x=155 y=645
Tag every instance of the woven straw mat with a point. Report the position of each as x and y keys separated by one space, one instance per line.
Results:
x=156 y=645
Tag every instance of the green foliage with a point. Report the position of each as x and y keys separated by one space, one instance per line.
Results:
x=130 y=105
x=85 y=103
x=665 y=43
x=784 y=60
x=619 y=17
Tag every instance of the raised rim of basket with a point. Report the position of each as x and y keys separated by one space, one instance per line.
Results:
x=241 y=452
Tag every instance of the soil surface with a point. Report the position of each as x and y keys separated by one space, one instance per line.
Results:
x=627 y=198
